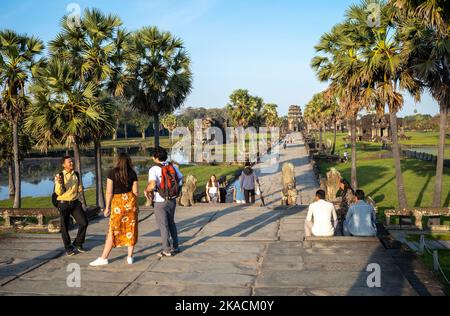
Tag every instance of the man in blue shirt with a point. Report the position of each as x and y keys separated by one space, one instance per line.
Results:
x=361 y=219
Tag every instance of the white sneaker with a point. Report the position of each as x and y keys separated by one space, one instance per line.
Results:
x=99 y=262
x=130 y=260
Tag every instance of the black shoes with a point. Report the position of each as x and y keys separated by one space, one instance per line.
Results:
x=80 y=249
x=71 y=252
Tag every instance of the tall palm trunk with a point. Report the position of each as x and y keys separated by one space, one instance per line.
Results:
x=116 y=130
x=437 y=200
x=401 y=194
x=125 y=130
x=333 y=150
x=11 y=185
x=156 y=120
x=143 y=134
x=100 y=196
x=17 y=184
x=354 y=178
x=320 y=138
x=77 y=158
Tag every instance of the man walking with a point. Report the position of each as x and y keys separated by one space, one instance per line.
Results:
x=249 y=180
x=67 y=190
x=163 y=189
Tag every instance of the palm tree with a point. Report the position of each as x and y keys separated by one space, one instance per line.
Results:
x=162 y=77
x=142 y=122
x=243 y=108
x=99 y=128
x=339 y=62
x=18 y=65
x=270 y=114
x=64 y=109
x=97 y=50
x=6 y=153
x=332 y=114
x=389 y=74
x=425 y=29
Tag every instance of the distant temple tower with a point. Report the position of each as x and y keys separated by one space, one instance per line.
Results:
x=295 y=119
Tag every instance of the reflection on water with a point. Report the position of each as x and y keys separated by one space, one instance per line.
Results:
x=38 y=173
x=428 y=150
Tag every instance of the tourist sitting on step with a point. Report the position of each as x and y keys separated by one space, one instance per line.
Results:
x=361 y=219
x=347 y=199
x=212 y=190
x=322 y=219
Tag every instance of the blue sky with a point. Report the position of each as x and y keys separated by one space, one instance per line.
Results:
x=264 y=46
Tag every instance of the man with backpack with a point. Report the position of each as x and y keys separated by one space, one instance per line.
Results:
x=66 y=199
x=163 y=188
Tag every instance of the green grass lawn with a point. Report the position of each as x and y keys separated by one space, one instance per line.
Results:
x=423 y=139
x=416 y=237
x=377 y=178
x=444 y=260
x=201 y=172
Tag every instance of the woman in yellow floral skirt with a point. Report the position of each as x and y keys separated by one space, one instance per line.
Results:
x=122 y=205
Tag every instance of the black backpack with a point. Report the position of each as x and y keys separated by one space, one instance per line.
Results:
x=55 y=196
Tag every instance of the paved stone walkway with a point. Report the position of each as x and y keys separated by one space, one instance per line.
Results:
x=227 y=250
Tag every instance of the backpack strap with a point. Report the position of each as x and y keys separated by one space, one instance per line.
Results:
x=61 y=174
x=78 y=177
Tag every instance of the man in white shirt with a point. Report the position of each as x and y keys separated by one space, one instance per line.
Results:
x=321 y=219
x=164 y=209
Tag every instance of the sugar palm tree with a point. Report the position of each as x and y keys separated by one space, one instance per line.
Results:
x=18 y=63
x=243 y=108
x=98 y=128
x=64 y=109
x=388 y=75
x=270 y=114
x=96 y=50
x=162 y=77
x=425 y=29
x=339 y=63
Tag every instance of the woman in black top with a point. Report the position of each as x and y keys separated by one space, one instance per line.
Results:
x=122 y=204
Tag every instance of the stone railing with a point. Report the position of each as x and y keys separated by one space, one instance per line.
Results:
x=424 y=157
x=40 y=214
x=417 y=213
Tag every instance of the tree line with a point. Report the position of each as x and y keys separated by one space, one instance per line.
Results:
x=74 y=94
x=380 y=52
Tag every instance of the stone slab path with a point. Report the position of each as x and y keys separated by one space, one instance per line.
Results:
x=227 y=250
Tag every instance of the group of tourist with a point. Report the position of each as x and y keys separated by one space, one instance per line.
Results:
x=355 y=217
x=122 y=193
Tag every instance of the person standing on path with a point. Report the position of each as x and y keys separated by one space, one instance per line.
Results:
x=67 y=194
x=249 y=180
x=122 y=191
x=163 y=189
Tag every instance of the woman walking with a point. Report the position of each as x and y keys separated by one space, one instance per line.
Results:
x=212 y=190
x=122 y=205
